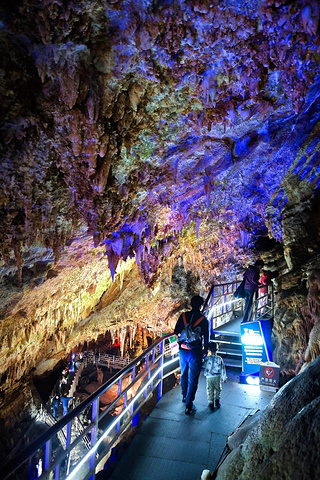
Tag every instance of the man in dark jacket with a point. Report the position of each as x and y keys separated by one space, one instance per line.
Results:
x=191 y=355
x=251 y=283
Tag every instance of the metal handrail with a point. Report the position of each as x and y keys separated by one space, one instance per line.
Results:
x=134 y=386
x=221 y=304
x=221 y=299
x=143 y=375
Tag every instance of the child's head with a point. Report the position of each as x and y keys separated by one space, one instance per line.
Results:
x=212 y=347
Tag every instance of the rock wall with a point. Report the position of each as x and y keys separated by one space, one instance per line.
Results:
x=283 y=442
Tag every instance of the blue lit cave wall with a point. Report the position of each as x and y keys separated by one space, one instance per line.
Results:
x=149 y=148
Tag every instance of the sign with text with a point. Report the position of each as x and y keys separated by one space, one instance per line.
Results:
x=256 y=345
x=269 y=375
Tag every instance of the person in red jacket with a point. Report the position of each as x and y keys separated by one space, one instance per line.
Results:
x=265 y=280
x=264 y=293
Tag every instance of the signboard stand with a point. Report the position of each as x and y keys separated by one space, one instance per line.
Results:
x=256 y=348
x=269 y=376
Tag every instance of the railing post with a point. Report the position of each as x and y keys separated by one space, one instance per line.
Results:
x=125 y=399
x=148 y=375
x=68 y=438
x=211 y=304
x=135 y=418
x=152 y=361
x=93 y=436
x=47 y=455
x=161 y=370
x=125 y=403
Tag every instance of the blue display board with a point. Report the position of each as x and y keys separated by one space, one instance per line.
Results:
x=256 y=346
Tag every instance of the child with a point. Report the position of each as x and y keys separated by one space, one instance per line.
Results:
x=214 y=371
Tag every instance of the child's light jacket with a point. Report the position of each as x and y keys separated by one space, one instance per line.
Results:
x=213 y=366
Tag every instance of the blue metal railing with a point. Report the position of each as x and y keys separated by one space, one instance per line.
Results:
x=221 y=304
x=108 y=413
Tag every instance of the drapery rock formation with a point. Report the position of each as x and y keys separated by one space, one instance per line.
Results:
x=149 y=148
x=283 y=441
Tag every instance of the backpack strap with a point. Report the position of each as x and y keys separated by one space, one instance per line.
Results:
x=184 y=319
x=197 y=321
x=194 y=324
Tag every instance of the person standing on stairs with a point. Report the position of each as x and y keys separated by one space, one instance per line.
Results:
x=55 y=405
x=191 y=354
x=251 y=284
x=65 y=403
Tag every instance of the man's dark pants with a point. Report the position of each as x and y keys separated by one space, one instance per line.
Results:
x=190 y=364
x=248 y=297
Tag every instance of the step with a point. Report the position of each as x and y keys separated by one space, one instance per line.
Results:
x=229 y=351
x=226 y=342
x=233 y=363
x=225 y=333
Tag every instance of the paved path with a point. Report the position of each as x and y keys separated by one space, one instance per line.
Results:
x=170 y=445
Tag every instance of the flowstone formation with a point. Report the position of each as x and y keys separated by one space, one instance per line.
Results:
x=148 y=149
x=282 y=442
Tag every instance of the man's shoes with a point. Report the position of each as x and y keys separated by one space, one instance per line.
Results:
x=218 y=404
x=211 y=406
x=189 y=410
x=184 y=399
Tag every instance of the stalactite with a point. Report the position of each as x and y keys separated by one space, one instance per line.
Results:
x=113 y=259
x=185 y=263
x=122 y=335
x=144 y=339
x=133 y=334
x=121 y=278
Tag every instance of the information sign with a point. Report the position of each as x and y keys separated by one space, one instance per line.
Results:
x=256 y=345
x=269 y=376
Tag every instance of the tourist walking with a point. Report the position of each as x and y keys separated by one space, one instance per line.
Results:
x=191 y=350
x=215 y=373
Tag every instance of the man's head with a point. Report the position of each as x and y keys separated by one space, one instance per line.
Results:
x=196 y=301
x=259 y=264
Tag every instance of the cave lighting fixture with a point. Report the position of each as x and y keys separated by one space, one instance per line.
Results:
x=252 y=380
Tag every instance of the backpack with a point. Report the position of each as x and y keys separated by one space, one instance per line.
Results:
x=191 y=333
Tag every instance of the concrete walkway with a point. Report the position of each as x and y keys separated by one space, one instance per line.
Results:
x=170 y=445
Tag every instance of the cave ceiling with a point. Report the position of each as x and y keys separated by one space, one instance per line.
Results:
x=136 y=133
